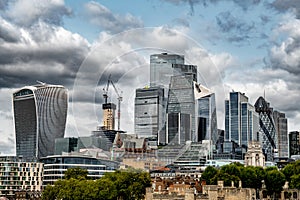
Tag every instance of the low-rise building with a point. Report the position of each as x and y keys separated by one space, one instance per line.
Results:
x=16 y=174
x=56 y=166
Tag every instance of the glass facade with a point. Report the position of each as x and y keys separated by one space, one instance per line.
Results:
x=241 y=121
x=56 y=166
x=40 y=114
x=267 y=128
x=207 y=118
x=181 y=100
x=294 y=143
x=149 y=116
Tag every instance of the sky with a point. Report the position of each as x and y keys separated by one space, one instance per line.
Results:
x=248 y=46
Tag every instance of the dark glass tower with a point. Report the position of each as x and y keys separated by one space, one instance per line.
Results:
x=267 y=128
x=40 y=114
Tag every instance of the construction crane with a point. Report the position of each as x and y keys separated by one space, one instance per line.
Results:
x=120 y=98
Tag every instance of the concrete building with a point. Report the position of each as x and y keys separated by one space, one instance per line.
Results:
x=282 y=134
x=109 y=110
x=40 y=113
x=16 y=174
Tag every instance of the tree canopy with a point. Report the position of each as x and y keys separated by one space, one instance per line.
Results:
x=122 y=184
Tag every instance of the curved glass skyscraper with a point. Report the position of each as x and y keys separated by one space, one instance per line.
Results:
x=40 y=114
x=267 y=128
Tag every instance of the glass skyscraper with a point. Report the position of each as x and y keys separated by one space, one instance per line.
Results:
x=181 y=100
x=241 y=120
x=149 y=113
x=267 y=128
x=207 y=128
x=40 y=113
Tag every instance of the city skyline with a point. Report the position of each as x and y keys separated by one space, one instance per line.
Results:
x=249 y=47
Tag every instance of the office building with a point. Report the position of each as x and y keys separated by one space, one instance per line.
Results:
x=149 y=116
x=206 y=114
x=282 y=134
x=161 y=68
x=241 y=120
x=40 y=113
x=65 y=145
x=16 y=174
x=267 y=128
x=181 y=110
x=294 y=143
x=56 y=166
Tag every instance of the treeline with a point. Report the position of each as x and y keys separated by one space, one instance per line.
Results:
x=254 y=177
x=122 y=184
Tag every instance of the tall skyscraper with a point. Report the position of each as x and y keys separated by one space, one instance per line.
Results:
x=40 y=113
x=161 y=68
x=181 y=110
x=282 y=134
x=207 y=128
x=149 y=113
x=267 y=128
x=241 y=120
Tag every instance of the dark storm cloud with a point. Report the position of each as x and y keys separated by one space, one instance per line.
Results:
x=237 y=29
x=53 y=56
x=244 y=4
x=287 y=5
x=23 y=13
x=101 y=16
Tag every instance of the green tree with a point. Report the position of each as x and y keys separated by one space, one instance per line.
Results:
x=232 y=169
x=274 y=180
x=209 y=174
x=295 y=181
x=125 y=185
x=76 y=173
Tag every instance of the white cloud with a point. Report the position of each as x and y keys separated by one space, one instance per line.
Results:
x=103 y=17
x=28 y=12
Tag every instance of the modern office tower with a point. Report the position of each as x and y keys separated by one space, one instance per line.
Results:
x=181 y=110
x=17 y=175
x=161 y=68
x=206 y=114
x=149 y=113
x=164 y=66
x=40 y=113
x=241 y=121
x=282 y=134
x=267 y=128
x=294 y=143
x=56 y=166
x=66 y=145
x=109 y=110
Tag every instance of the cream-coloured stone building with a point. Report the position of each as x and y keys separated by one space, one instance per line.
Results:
x=16 y=174
x=254 y=155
